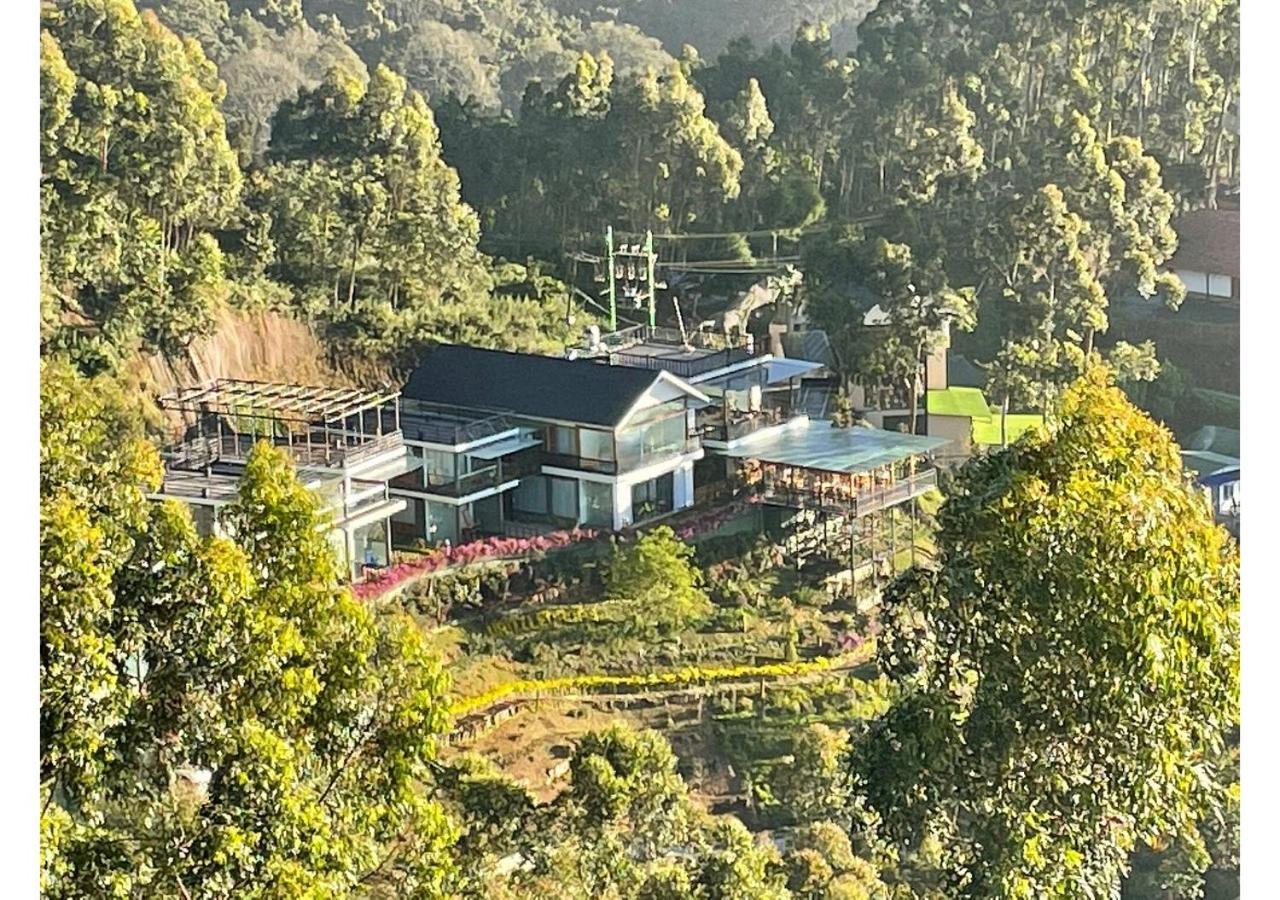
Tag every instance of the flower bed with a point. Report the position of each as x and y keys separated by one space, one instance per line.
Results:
x=685 y=527
x=466 y=554
x=711 y=520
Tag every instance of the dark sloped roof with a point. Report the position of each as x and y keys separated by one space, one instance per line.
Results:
x=542 y=387
x=1208 y=241
x=962 y=373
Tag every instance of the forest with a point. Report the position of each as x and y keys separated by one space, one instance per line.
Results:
x=401 y=173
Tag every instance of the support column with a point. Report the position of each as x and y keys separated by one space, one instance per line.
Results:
x=893 y=539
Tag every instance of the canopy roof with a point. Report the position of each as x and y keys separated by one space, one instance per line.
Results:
x=285 y=402
x=1204 y=463
x=818 y=445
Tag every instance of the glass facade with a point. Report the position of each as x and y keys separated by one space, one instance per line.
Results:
x=371 y=544
x=637 y=446
x=564 y=498
x=595 y=444
x=530 y=496
x=597 y=501
x=438 y=466
x=653 y=497
x=442 y=523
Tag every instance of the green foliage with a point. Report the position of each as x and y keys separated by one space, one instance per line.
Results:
x=1075 y=658
x=821 y=865
x=656 y=577
x=814 y=785
x=217 y=714
x=136 y=169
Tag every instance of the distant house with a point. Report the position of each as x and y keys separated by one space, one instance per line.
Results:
x=956 y=407
x=1208 y=256
x=1212 y=455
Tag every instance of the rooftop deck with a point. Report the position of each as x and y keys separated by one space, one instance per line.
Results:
x=654 y=348
x=282 y=402
x=319 y=427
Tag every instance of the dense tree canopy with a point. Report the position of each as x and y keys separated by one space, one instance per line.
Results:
x=136 y=170
x=216 y=713
x=1075 y=660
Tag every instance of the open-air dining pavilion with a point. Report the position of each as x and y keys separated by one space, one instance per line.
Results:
x=843 y=482
x=850 y=471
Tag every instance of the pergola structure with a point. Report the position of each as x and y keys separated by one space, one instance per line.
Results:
x=320 y=426
x=852 y=478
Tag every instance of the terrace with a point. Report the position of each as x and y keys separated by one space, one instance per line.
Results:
x=319 y=427
x=449 y=426
x=685 y=356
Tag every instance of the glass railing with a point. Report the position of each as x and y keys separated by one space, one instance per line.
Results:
x=825 y=494
x=461 y=486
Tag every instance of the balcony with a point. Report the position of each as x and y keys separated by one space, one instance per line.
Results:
x=457 y=486
x=449 y=427
x=627 y=461
x=716 y=425
x=838 y=497
x=335 y=453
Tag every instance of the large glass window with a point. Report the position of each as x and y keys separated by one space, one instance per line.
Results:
x=595 y=444
x=654 y=440
x=597 y=500
x=438 y=466
x=653 y=497
x=442 y=523
x=371 y=544
x=530 y=496
x=562 y=440
x=564 y=498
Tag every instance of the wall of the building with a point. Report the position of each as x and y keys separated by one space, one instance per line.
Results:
x=957 y=429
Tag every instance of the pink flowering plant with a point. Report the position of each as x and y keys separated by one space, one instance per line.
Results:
x=393 y=576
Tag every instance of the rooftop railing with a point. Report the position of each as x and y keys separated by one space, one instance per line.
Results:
x=449 y=428
x=202 y=451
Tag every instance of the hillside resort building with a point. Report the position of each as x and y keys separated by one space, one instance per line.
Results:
x=626 y=430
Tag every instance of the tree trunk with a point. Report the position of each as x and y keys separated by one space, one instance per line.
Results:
x=351 y=280
x=1004 y=420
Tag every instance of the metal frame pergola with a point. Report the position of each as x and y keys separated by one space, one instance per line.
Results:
x=323 y=416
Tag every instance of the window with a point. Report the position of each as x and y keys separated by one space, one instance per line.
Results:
x=564 y=498
x=562 y=440
x=1219 y=286
x=530 y=496
x=595 y=444
x=597 y=501
x=371 y=544
x=438 y=467
x=637 y=446
x=442 y=523
x=653 y=497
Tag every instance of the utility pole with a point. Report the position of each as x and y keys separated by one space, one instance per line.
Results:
x=613 y=298
x=650 y=259
x=631 y=272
